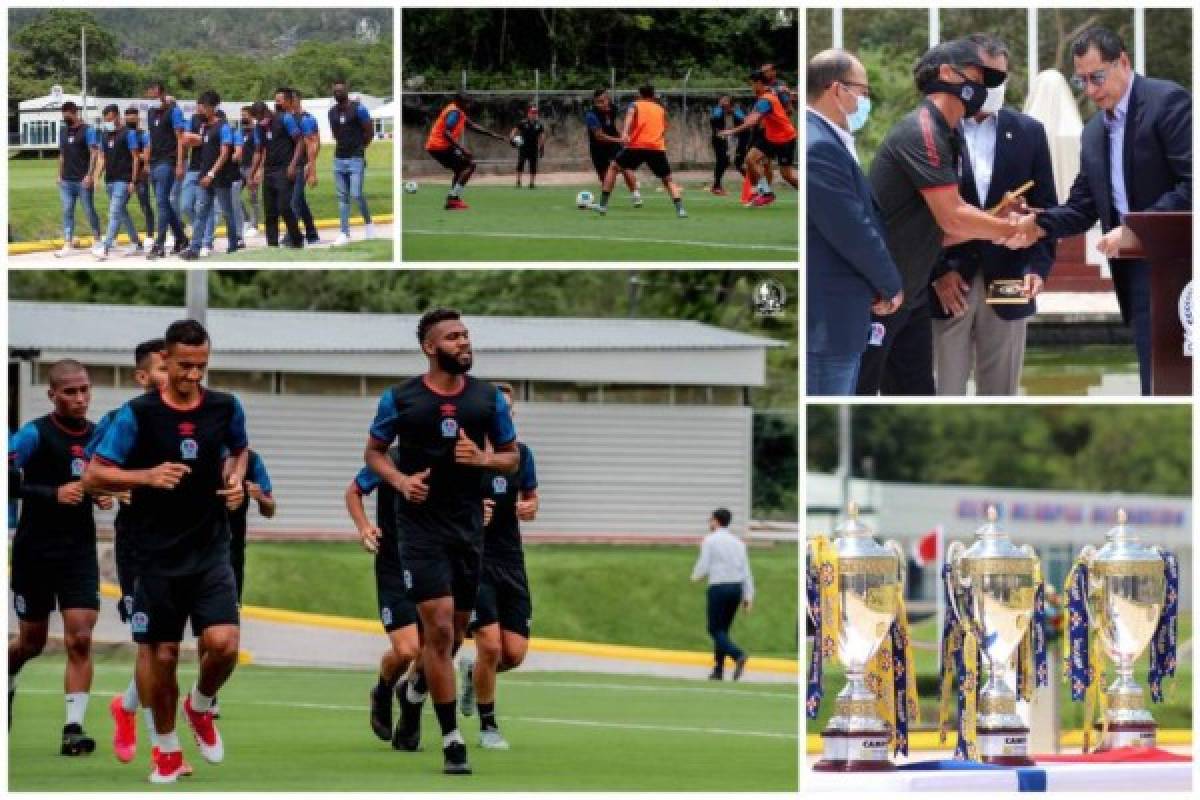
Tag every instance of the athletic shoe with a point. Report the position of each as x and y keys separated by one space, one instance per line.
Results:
x=168 y=767
x=531 y=186
x=455 y=762
x=381 y=712
x=341 y=240
x=155 y=753
x=601 y=210
x=716 y=675
x=719 y=191
x=99 y=252
x=179 y=245
x=739 y=666
x=134 y=250
x=762 y=200
x=637 y=201
x=251 y=230
x=205 y=252
x=66 y=251
x=455 y=204
x=492 y=739
x=75 y=742
x=369 y=232
x=157 y=251
x=408 y=729
x=207 y=737
x=190 y=255
x=681 y=213
x=466 y=668
x=124 y=731
x=314 y=240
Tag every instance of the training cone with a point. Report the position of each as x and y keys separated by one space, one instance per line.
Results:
x=747 y=189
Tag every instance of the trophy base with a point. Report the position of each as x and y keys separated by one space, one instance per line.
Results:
x=1128 y=734
x=855 y=751
x=1004 y=747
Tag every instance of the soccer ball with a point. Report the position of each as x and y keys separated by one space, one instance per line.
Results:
x=410 y=187
x=517 y=141
x=584 y=200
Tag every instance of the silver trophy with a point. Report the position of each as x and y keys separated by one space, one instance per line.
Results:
x=870 y=583
x=992 y=593
x=1126 y=592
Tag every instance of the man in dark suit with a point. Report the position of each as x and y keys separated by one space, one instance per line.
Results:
x=1135 y=155
x=1002 y=150
x=850 y=272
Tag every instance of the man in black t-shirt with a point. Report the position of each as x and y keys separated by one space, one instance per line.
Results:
x=278 y=146
x=78 y=149
x=604 y=141
x=212 y=144
x=183 y=454
x=530 y=146
x=914 y=178
x=442 y=422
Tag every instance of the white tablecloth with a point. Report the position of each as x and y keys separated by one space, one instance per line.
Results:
x=1166 y=777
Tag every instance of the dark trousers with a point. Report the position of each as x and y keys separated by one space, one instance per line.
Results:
x=143 y=196
x=721 y=152
x=723 y=602
x=300 y=207
x=277 y=193
x=1135 y=307
x=902 y=364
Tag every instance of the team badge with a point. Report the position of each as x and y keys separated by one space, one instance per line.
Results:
x=19 y=603
x=189 y=449
x=499 y=484
x=70 y=140
x=385 y=614
x=77 y=465
x=449 y=428
x=139 y=623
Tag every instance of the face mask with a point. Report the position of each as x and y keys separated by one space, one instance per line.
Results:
x=971 y=94
x=279 y=109
x=341 y=97
x=856 y=119
x=995 y=99
x=131 y=125
x=109 y=127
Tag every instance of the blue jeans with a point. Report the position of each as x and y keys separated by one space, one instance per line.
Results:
x=235 y=194
x=187 y=201
x=118 y=213
x=68 y=193
x=206 y=201
x=300 y=207
x=162 y=175
x=348 y=182
x=831 y=375
x=723 y=601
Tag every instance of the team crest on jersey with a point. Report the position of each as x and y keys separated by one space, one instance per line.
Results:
x=343 y=119
x=70 y=140
x=19 y=603
x=188 y=449
x=449 y=428
x=385 y=615
x=139 y=622
x=499 y=484
x=77 y=465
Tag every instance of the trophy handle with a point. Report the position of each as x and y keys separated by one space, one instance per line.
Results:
x=1087 y=555
x=953 y=554
x=901 y=562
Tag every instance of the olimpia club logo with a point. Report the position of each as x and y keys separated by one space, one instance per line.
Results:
x=140 y=623
x=769 y=298
x=499 y=484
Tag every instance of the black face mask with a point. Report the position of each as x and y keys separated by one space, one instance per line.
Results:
x=341 y=97
x=131 y=125
x=280 y=109
x=972 y=94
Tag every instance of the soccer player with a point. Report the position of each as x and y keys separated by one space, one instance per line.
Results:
x=78 y=149
x=503 y=608
x=444 y=146
x=644 y=141
x=150 y=373
x=246 y=164
x=777 y=85
x=604 y=141
x=307 y=175
x=353 y=133
x=442 y=421
x=120 y=159
x=396 y=612
x=724 y=115
x=142 y=185
x=213 y=145
x=54 y=551
x=532 y=146
x=165 y=122
x=168 y=448
x=277 y=149
x=777 y=141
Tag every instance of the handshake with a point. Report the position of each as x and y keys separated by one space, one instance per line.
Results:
x=1022 y=222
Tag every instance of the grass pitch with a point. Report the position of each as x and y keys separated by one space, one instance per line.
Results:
x=371 y=250
x=292 y=730
x=510 y=224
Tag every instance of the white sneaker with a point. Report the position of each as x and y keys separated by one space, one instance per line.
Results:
x=205 y=252
x=133 y=250
x=251 y=231
x=342 y=239
x=369 y=233
x=466 y=669
x=99 y=252
x=637 y=201
x=492 y=739
x=66 y=251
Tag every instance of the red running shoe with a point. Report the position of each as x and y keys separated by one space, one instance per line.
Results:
x=167 y=767
x=762 y=200
x=455 y=204
x=124 y=731
x=719 y=191
x=205 y=732
x=155 y=753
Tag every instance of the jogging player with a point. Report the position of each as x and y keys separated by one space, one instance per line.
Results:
x=54 y=550
x=165 y=123
x=277 y=149
x=168 y=449
x=644 y=141
x=353 y=132
x=121 y=161
x=445 y=146
x=78 y=149
x=604 y=141
x=503 y=614
x=532 y=144
x=777 y=140
x=442 y=421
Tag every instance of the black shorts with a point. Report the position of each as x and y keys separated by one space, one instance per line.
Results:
x=41 y=585
x=440 y=566
x=602 y=157
x=162 y=605
x=527 y=157
x=395 y=609
x=782 y=154
x=504 y=598
x=126 y=574
x=656 y=160
x=453 y=158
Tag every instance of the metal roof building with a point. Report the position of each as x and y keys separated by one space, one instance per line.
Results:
x=639 y=427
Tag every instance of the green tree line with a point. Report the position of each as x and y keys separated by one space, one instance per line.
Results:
x=579 y=47
x=1135 y=448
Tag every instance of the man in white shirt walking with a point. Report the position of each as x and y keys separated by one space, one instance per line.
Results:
x=730 y=584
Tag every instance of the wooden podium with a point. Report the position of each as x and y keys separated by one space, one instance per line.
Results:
x=1164 y=240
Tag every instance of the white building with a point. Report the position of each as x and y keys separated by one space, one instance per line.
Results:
x=40 y=118
x=639 y=427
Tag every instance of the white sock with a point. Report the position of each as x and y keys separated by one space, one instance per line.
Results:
x=76 y=707
x=452 y=737
x=168 y=742
x=636 y=193
x=129 y=701
x=413 y=696
x=200 y=702
x=148 y=716
x=763 y=186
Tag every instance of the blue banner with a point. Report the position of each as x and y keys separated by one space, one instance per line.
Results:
x=815 y=691
x=1162 y=646
x=1079 y=663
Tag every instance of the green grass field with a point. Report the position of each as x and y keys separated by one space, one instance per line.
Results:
x=510 y=224
x=373 y=250
x=291 y=729
x=34 y=211
x=634 y=595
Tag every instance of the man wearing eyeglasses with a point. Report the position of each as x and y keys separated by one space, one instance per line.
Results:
x=1135 y=155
